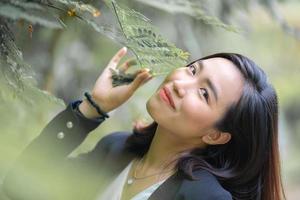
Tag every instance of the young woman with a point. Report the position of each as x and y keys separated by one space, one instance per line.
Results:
x=214 y=136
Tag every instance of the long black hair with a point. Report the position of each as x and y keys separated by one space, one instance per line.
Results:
x=248 y=166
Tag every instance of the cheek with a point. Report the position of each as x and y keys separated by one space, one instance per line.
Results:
x=176 y=74
x=196 y=115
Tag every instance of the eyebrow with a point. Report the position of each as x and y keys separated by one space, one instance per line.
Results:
x=212 y=87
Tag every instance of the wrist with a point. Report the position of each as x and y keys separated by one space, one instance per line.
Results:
x=88 y=110
x=95 y=105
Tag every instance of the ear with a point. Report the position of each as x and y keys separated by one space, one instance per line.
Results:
x=216 y=138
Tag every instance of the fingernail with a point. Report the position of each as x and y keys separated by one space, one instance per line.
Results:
x=147 y=69
x=124 y=48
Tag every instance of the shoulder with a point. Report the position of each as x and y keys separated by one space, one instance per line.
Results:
x=114 y=140
x=114 y=137
x=207 y=187
x=111 y=151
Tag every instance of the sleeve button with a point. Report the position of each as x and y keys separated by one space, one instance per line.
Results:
x=60 y=135
x=69 y=124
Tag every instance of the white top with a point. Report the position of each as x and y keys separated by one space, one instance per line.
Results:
x=114 y=190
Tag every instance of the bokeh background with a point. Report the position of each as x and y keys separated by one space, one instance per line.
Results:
x=67 y=62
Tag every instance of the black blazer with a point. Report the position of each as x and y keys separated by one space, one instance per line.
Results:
x=84 y=177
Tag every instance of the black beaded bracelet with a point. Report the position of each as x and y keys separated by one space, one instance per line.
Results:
x=90 y=100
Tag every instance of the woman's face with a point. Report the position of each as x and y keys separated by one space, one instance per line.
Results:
x=201 y=93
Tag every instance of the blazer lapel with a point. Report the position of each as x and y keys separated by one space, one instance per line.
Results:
x=168 y=189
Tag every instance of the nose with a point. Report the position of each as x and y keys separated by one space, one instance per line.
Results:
x=181 y=87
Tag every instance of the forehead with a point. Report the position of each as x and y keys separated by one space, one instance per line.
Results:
x=226 y=77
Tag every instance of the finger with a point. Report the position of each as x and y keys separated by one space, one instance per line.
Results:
x=147 y=79
x=117 y=57
x=140 y=78
x=141 y=71
x=127 y=64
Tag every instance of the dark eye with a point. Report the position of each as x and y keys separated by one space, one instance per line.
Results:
x=204 y=93
x=193 y=69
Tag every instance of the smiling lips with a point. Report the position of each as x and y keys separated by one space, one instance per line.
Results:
x=166 y=95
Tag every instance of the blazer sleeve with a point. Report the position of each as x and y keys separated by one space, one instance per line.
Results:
x=49 y=150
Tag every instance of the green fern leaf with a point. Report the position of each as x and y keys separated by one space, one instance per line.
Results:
x=149 y=47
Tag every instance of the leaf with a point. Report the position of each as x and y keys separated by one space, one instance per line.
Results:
x=106 y=30
x=149 y=47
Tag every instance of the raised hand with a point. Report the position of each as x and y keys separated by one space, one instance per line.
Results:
x=109 y=97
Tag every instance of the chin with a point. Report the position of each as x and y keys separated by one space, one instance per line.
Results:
x=152 y=106
x=149 y=107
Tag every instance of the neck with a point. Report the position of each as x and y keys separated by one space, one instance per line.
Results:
x=164 y=151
